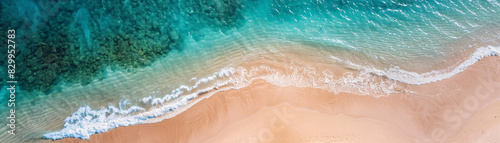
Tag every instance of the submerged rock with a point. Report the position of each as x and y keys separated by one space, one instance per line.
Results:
x=174 y=35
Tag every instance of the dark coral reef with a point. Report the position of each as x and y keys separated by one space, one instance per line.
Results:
x=75 y=40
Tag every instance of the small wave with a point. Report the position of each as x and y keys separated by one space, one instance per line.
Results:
x=85 y=121
x=408 y=77
x=414 y=78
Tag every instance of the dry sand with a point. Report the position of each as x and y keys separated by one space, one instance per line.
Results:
x=464 y=108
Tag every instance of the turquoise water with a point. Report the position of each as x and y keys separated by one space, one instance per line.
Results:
x=155 y=57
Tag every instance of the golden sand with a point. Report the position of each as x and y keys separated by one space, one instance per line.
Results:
x=463 y=108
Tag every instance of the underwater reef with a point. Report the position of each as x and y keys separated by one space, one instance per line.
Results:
x=76 y=40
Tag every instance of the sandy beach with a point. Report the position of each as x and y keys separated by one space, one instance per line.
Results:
x=463 y=108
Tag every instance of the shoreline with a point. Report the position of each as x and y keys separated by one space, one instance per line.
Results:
x=424 y=118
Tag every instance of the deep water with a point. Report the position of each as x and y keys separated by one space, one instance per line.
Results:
x=81 y=55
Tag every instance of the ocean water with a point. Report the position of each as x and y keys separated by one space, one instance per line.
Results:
x=365 y=47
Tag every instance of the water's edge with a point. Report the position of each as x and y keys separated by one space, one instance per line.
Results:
x=86 y=121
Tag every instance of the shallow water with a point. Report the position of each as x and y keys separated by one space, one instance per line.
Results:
x=338 y=46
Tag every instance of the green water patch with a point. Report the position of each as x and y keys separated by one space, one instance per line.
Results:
x=74 y=41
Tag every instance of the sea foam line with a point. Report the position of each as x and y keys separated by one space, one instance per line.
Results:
x=418 y=79
x=86 y=121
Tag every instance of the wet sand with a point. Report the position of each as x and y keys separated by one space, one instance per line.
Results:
x=463 y=108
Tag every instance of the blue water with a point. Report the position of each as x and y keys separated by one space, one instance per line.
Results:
x=212 y=37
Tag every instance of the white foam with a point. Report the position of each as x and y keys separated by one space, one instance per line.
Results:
x=85 y=121
x=225 y=72
x=423 y=78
